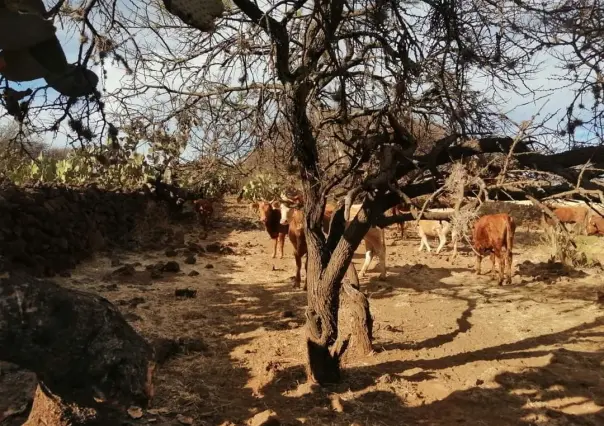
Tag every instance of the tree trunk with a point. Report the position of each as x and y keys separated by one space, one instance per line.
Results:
x=359 y=323
x=324 y=348
x=89 y=361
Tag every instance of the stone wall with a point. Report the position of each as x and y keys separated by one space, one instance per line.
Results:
x=48 y=230
x=523 y=213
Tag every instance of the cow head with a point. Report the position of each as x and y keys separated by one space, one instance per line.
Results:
x=288 y=206
x=264 y=210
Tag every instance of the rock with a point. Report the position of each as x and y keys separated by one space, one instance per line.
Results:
x=193 y=273
x=155 y=274
x=191 y=260
x=265 y=418
x=213 y=248
x=287 y=314
x=135 y=412
x=124 y=271
x=209 y=266
x=195 y=248
x=171 y=266
x=171 y=252
x=185 y=292
x=115 y=261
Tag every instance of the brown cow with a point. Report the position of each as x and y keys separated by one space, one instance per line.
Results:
x=570 y=214
x=204 y=210
x=494 y=234
x=595 y=225
x=270 y=216
x=294 y=217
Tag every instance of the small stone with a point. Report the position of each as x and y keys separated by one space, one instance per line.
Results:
x=170 y=252
x=185 y=292
x=171 y=266
x=191 y=260
x=135 y=412
x=193 y=273
x=125 y=271
x=209 y=266
x=213 y=248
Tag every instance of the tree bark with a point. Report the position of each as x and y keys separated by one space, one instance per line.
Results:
x=358 y=326
x=89 y=361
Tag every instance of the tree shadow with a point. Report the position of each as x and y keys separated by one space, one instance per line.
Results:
x=463 y=325
x=568 y=390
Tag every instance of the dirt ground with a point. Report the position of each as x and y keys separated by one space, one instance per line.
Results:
x=450 y=348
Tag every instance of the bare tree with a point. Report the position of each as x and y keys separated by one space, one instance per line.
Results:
x=360 y=79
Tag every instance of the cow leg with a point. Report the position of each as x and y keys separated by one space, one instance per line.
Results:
x=382 y=258
x=502 y=263
x=275 y=248
x=442 y=238
x=368 y=259
x=454 y=239
x=424 y=242
x=508 y=266
x=478 y=263
x=402 y=228
x=492 y=271
x=298 y=267
x=281 y=242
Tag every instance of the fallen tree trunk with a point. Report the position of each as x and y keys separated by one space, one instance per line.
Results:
x=90 y=363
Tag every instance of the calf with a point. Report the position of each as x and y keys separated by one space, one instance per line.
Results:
x=294 y=217
x=436 y=228
x=270 y=216
x=494 y=234
x=375 y=245
x=575 y=214
x=204 y=210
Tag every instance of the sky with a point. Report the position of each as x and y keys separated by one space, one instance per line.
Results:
x=517 y=107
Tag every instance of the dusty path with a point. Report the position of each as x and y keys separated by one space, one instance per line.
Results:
x=451 y=348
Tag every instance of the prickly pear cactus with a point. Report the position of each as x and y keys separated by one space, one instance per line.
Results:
x=199 y=14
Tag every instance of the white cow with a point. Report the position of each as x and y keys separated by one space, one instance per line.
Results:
x=435 y=228
x=375 y=245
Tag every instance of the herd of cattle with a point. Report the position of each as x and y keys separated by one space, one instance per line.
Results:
x=492 y=234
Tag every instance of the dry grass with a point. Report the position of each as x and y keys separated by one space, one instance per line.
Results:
x=455 y=185
x=563 y=247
